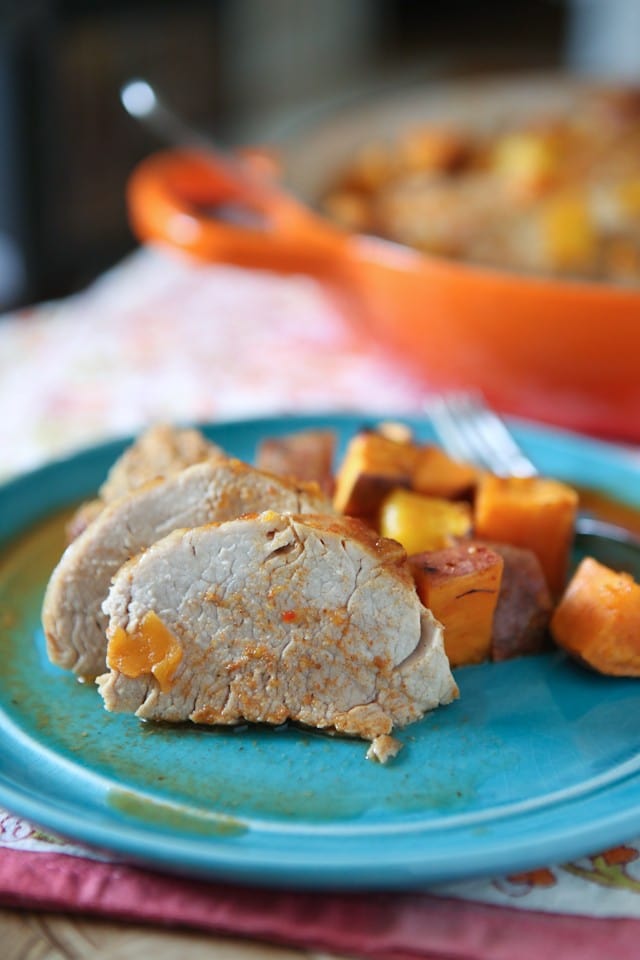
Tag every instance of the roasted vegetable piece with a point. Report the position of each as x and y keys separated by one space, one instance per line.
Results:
x=598 y=619
x=523 y=611
x=432 y=149
x=569 y=234
x=372 y=466
x=423 y=523
x=438 y=475
x=528 y=161
x=460 y=585
x=533 y=512
x=305 y=456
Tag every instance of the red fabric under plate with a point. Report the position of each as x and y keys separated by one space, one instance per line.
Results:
x=382 y=926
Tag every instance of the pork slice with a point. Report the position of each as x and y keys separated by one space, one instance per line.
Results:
x=216 y=489
x=270 y=618
x=158 y=452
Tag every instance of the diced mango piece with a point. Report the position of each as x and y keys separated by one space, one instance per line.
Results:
x=533 y=512
x=373 y=465
x=527 y=160
x=461 y=585
x=569 y=234
x=423 y=523
x=149 y=648
x=598 y=619
x=438 y=475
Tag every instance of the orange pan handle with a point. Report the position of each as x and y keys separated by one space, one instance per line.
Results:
x=231 y=213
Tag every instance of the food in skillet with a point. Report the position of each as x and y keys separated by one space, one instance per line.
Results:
x=555 y=195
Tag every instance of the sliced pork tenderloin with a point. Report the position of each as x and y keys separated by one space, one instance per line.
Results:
x=216 y=489
x=270 y=618
x=158 y=452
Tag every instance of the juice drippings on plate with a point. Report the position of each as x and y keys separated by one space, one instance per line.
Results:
x=174 y=816
x=609 y=509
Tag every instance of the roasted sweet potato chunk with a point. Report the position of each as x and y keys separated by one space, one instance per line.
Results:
x=523 y=611
x=438 y=475
x=423 y=523
x=380 y=460
x=373 y=465
x=460 y=585
x=305 y=456
x=598 y=619
x=533 y=512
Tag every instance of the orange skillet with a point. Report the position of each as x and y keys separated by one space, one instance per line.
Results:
x=563 y=352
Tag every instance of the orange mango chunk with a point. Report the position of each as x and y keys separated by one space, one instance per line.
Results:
x=149 y=648
x=528 y=161
x=533 y=512
x=423 y=523
x=598 y=619
x=461 y=585
x=569 y=234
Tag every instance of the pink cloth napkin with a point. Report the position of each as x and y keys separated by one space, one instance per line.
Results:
x=380 y=926
x=160 y=338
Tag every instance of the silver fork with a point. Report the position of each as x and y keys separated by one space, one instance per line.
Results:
x=469 y=430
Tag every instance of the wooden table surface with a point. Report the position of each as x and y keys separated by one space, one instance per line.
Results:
x=43 y=936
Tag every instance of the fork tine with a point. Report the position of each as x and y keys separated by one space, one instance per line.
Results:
x=470 y=431
x=453 y=421
x=501 y=449
x=442 y=410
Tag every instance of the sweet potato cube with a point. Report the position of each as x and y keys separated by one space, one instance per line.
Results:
x=438 y=475
x=460 y=585
x=373 y=465
x=597 y=619
x=306 y=456
x=522 y=615
x=427 y=149
x=533 y=512
x=423 y=523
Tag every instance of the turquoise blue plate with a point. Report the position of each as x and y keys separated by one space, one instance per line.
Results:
x=538 y=761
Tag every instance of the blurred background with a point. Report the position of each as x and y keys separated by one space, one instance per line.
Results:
x=242 y=70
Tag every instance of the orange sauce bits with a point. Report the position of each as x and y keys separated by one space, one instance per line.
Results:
x=149 y=648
